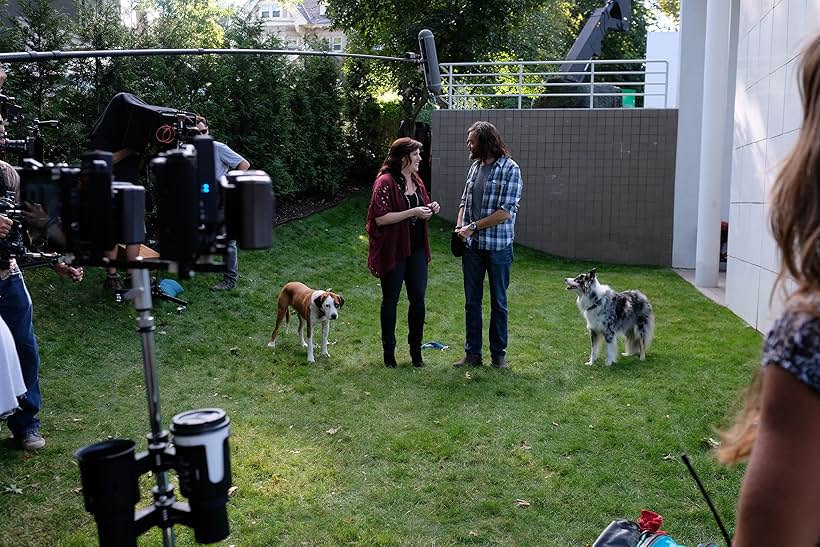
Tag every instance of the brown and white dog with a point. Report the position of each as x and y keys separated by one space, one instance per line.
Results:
x=312 y=307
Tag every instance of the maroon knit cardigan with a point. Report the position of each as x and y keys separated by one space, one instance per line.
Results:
x=391 y=242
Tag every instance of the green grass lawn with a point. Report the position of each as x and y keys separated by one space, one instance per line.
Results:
x=430 y=456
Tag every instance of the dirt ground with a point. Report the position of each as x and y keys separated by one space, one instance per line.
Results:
x=288 y=209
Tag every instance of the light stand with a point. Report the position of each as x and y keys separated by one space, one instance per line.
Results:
x=140 y=294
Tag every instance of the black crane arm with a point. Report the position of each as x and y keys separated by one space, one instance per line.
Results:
x=614 y=16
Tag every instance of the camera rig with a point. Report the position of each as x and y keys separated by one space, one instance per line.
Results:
x=81 y=212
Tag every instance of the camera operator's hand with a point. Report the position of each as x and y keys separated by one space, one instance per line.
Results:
x=5 y=226
x=68 y=272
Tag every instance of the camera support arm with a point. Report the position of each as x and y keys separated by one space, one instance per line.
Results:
x=164 y=501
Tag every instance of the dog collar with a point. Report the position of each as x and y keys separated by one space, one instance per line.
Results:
x=595 y=305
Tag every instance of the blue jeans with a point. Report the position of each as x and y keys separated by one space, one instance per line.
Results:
x=231 y=263
x=497 y=265
x=15 y=309
x=412 y=272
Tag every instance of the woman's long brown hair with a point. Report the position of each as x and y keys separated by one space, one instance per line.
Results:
x=394 y=162
x=795 y=225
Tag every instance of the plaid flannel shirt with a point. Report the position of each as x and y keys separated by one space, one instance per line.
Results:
x=503 y=191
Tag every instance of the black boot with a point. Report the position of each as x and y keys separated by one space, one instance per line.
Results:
x=415 y=356
x=390 y=356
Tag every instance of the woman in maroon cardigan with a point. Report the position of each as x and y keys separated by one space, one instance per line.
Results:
x=399 y=248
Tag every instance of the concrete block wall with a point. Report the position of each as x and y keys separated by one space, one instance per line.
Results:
x=598 y=184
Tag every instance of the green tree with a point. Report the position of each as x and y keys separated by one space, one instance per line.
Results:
x=40 y=27
x=92 y=81
x=476 y=30
x=247 y=99
x=463 y=30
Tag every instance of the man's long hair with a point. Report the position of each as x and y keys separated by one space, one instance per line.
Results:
x=394 y=162
x=489 y=141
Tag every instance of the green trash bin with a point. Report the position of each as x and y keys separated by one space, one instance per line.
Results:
x=628 y=98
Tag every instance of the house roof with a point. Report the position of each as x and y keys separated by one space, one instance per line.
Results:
x=309 y=9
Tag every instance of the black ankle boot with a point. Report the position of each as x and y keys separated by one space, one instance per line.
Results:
x=415 y=357
x=389 y=357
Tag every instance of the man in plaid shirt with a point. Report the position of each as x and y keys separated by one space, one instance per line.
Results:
x=486 y=222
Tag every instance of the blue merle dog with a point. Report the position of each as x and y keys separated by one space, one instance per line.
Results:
x=610 y=314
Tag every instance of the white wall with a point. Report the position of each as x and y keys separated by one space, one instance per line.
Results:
x=662 y=46
x=690 y=109
x=767 y=121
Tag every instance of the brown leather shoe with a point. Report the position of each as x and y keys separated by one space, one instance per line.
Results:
x=472 y=360
x=500 y=362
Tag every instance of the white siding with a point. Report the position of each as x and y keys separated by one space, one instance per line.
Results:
x=768 y=116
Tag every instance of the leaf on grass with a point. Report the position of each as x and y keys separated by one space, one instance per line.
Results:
x=522 y=503
x=332 y=430
x=12 y=489
x=76 y=419
x=468 y=376
x=711 y=443
x=556 y=424
x=234 y=351
x=232 y=490
x=669 y=456
x=524 y=445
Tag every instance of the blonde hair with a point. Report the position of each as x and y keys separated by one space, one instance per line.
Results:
x=10 y=176
x=795 y=225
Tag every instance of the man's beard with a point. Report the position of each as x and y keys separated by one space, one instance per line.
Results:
x=474 y=155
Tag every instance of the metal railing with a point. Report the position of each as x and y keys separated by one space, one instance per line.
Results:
x=638 y=83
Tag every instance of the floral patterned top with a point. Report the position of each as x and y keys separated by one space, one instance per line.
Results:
x=793 y=344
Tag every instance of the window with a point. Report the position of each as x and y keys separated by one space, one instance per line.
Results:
x=336 y=43
x=270 y=11
x=322 y=8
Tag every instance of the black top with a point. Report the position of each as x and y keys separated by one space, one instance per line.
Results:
x=416 y=225
x=793 y=344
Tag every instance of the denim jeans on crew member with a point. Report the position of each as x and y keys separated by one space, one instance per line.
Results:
x=412 y=271
x=497 y=265
x=15 y=309
x=231 y=263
